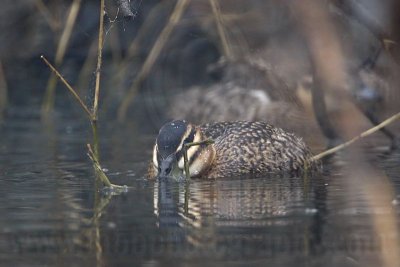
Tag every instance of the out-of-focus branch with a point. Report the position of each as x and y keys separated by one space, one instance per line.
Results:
x=221 y=31
x=330 y=71
x=48 y=102
x=180 y=7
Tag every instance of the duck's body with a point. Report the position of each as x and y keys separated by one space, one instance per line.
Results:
x=239 y=148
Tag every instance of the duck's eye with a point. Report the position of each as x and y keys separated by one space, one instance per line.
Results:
x=186 y=141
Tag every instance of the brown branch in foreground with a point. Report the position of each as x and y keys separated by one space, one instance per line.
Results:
x=362 y=135
x=99 y=60
x=152 y=57
x=77 y=97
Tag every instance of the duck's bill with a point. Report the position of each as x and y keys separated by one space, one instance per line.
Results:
x=169 y=169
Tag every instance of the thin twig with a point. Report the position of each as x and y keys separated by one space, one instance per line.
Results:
x=99 y=59
x=221 y=31
x=68 y=86
x=152 y=57
x=362 y=135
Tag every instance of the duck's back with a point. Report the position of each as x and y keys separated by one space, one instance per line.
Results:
x=244 y=148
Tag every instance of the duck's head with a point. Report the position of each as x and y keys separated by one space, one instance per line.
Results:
x=168 y=152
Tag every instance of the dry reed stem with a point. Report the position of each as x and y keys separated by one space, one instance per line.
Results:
x=69 y=87
x=134 y=46
x=99 y=60
x=61 y=49
x=362 y=135
x=87 y=69
x=152 y=57
x=51 y=21
x=93 y=155
x=66 y=35
x=221 y=31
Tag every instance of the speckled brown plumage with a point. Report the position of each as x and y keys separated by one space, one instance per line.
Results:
x=247 y=148
x=244 y=148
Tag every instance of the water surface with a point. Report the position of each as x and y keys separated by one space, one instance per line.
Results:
x=52 y=213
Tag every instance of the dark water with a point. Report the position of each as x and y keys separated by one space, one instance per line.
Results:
x=52 y=214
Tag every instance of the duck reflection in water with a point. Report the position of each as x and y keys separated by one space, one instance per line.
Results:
x=219 y=214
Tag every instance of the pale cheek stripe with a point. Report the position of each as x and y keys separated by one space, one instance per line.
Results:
x=155 y=156
x=190 y=153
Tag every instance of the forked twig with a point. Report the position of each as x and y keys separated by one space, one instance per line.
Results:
x=69 y=87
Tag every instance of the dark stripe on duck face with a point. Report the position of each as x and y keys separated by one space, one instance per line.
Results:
x=188 y=139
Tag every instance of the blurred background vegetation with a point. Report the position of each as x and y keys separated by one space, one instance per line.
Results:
x=271 y=32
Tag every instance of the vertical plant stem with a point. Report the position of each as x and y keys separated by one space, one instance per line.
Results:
x=186 y=163
x=152 y=57
x=95 y=139
x=99 y=61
